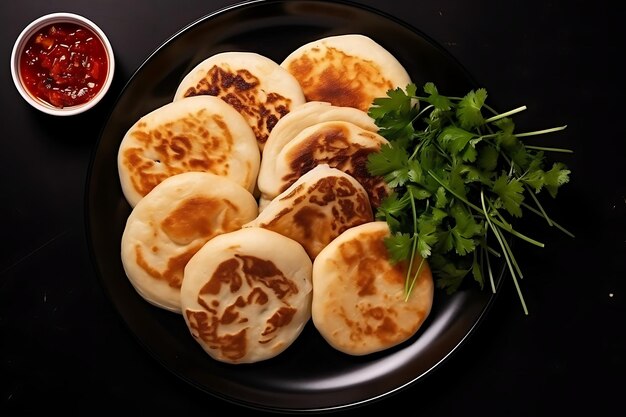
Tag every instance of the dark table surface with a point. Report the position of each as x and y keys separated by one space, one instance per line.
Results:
x=64 y=347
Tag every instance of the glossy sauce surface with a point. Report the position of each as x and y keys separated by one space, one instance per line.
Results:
x=64 y=64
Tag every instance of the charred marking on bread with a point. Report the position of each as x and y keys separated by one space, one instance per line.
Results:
x=376 y=315
x=305 y=221
x=193 y=219
x=338 y=78
x=332 y=146
x=173 y=273
x=242 y=90
x=262 y=279
x=199 y=217
x=176 y=147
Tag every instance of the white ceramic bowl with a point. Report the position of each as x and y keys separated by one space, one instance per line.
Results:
x=18 y=50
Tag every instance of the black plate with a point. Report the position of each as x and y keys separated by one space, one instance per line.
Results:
x=310 y=375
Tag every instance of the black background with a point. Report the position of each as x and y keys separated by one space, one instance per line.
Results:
x=63 y=347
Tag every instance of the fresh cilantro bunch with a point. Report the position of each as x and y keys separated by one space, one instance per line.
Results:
x=460 y=176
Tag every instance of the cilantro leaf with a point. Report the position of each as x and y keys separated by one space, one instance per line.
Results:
x=510 y=144
x=399 y=246
x=395 y=113
x=445 y=241
x=511 y=194
x=505 y=136
x=392 y=210
x=441 y=198
x=469 y=109
x=556 y=177
x=465 y=229
x=438 y=101
x=416 y=173
x=487 y=158
x=426 y=236
x=454 y=139
x=387 y=160
x=418 y=192
x=477 y=272
x=456 y=183
x=450 y=276
x=535 y=179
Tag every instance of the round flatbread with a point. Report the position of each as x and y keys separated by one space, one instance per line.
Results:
x=317 y=208
x=359 y=304
x=195 y=134
x=171 y=223
x=346 y=70
x=309 y=114
x=340 y=144
x=254 y=85
x=246 y=295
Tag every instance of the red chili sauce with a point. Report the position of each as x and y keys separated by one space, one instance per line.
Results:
x=64 y=64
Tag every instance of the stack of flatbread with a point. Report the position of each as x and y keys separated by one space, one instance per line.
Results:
x=253 y=209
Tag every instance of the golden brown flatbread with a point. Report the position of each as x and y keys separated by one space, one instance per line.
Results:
x=254 y=85
x=171 y=223
x=195 y=134
x=346 y=70
x=318 y=207
x=246 y=295
x=359 y=302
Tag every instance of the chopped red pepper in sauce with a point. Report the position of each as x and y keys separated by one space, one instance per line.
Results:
x=64 y=64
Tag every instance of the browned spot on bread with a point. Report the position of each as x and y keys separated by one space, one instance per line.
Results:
x=364 y=302
x=338 y=78
x=331 y=145
x=176 y=147
x=262 y=279
x=242 y=90
x=305 y=219
x=196 y=217
x=173 y=274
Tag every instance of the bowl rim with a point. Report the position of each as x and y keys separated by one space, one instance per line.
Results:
x=23 y=38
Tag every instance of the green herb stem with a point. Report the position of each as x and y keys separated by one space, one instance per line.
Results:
x=491 y=279
x=414 y=238
x=541 y=132
x=512 y=272
x=506 y=250
x=555 y=224
x=414 y=279
x=506 y=227
x=506 y=114
x=543 y=212
x=543 y=148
